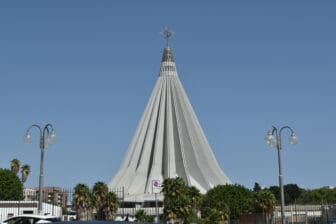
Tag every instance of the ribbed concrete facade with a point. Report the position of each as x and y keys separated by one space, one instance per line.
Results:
x=168 y=142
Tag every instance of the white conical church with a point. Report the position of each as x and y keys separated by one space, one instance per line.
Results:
x=168 y=142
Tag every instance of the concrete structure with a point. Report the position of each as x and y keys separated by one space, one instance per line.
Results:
x=168 y=142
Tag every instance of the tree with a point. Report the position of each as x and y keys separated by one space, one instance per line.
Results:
x=323 y=195
x=99 y=196
x=82 y=202
x=263 y=202
x=213 y=215
x=328 y=195
x=10 y=186
x=25 y=171
x=257 y=187
x=15 y=166
x=177 y=204
x=110 y=206
x=232 y=199
x=276 y=192
x=195 y=199
x=99 y=200
x=292 y=193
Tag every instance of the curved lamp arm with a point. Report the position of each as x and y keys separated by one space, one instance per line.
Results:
x=47 y=135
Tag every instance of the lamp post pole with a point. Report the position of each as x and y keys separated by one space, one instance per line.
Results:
x=47 y=136
x=156 y=209
x=282 y=194
x=273 y=139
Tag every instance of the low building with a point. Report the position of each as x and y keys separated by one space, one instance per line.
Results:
x=14 y=208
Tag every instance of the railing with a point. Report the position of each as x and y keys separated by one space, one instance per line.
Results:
x=58 y=202
x=306 y=214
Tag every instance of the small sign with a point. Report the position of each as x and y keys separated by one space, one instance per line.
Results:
x=156 y=186
x=156 y=183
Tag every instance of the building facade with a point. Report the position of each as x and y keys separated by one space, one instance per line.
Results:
x=168 y=142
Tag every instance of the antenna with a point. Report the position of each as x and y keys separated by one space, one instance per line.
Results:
x=167 y=34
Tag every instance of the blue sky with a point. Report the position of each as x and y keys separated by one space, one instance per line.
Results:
x=88 y=67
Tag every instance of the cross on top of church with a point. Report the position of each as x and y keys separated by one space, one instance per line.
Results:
x=167 y=34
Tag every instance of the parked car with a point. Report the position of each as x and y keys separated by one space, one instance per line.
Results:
x=31 y=219
x=101 y=222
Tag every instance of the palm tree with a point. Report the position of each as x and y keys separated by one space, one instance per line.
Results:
x=15 y=166
x=99 y=196
x=82 y=202
x=264 y=201
x=25 y=171
x=110 y=206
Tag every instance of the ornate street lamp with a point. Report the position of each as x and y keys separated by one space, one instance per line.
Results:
x=47 y=137
x=273 y=138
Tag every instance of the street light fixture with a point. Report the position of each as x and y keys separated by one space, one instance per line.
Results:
x=273 y=139
x=47 y=137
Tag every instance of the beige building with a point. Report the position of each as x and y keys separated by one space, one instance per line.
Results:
x=51 y=195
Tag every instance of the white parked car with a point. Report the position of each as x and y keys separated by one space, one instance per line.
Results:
x=31 y=219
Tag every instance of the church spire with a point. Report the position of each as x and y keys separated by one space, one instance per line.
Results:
x=168 y=66
x=167 y=55
x=167 y=52
x=169 y=141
